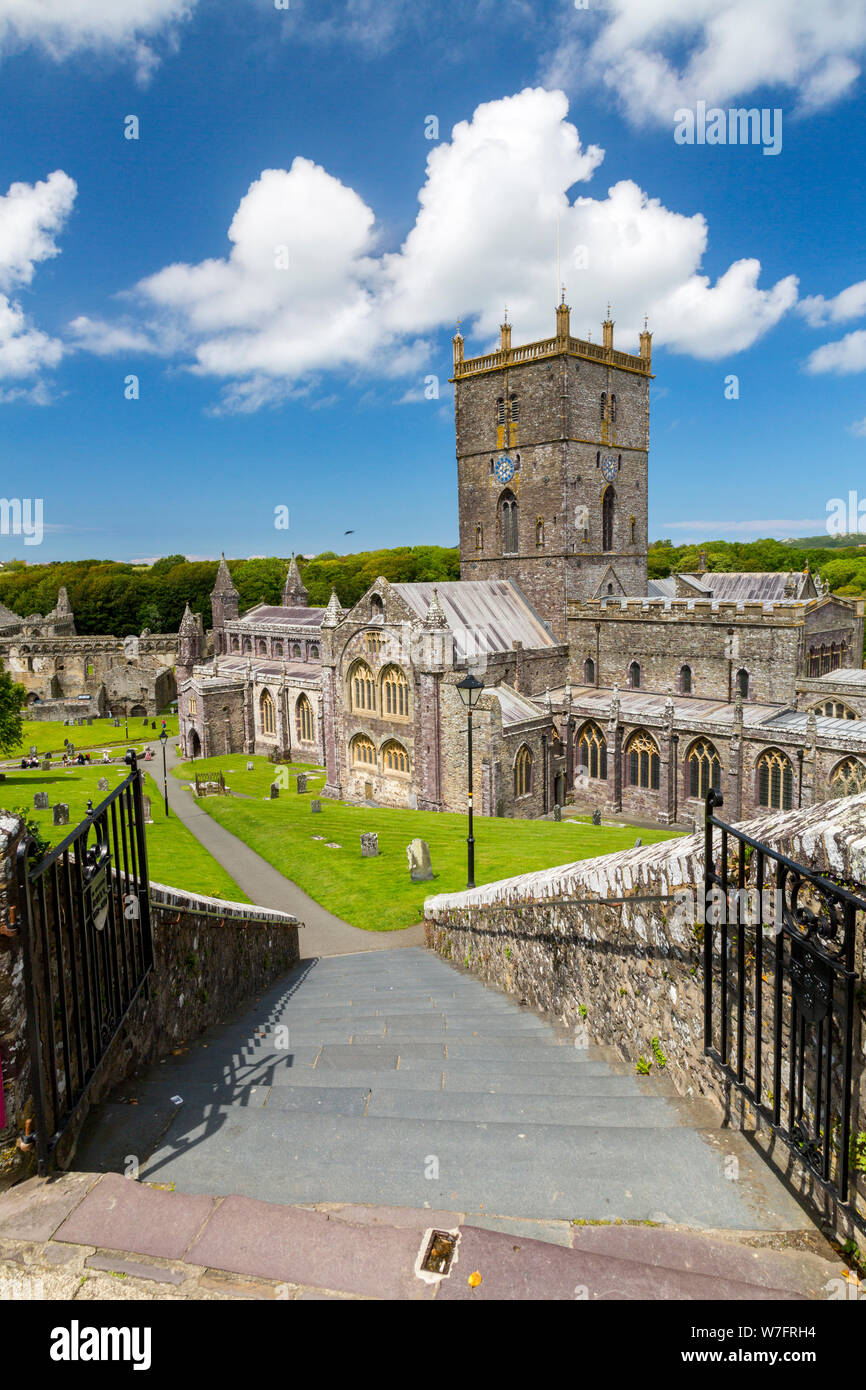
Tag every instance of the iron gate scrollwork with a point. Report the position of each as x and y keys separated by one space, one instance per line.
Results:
x=88 y=951
x=766 y=919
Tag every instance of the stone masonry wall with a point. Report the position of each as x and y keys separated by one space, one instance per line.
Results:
x=605 y=946
x=210 y=957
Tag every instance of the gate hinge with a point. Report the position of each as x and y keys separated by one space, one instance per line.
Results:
x=27 y=1140
x=10 y=929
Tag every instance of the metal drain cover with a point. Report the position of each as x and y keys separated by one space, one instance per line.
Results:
x=440 y=1252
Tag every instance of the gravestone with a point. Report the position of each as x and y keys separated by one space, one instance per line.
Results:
x=40 y=801
x=102 y=784
x=250 y=767
x=557 y=812
x=596 y=817
x=61 y=813
x=301 y=780
x=638 y=841
x=418 y=854
x=315 y=807
x=33 y=750
x=369 y=845
x=116 y=722
x=46 y=764
x=147 y=813
x=70 y=748
x=275 y=791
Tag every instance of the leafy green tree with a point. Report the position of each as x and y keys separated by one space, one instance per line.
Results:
x=13 y=698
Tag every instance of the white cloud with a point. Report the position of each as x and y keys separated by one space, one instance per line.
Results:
x=843 y=357
x=61 y=28
x=105 y=339
x=849 y=304
x=31 y=215
x=859 y=428
x=307 y=288
x=657 y=55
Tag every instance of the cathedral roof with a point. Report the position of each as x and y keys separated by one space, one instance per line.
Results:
x=516 y=708
x=484 y=615
x=287 y=617
x=748 y=587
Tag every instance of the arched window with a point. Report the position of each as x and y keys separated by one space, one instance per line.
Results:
x=236 y=644
x=263 y=647
x=612 y=406
x=395 y=692
x=634 y=675
x=267 y=713
x=642 y=760
x=592 y=752
x=602 y=413
x=304 y=720
x=686 y=680
x=394 y=757
x=835 y=709
x=775 y=780
x=508 y=515
x=192 y=705
x=515 y=410
x=374 y=642
x=362 y=751
x=377 y=609
x=849 y=778
x=743 y=684
x=296 y=651
x=523 y=772
x=278 y=649
x=248 y=646
x=539 y=530
x=500 y=411
x=314 y=652
x=704 y=767
x=479 y=537
x=608 y=515
x=589 y=671
x=362 y=686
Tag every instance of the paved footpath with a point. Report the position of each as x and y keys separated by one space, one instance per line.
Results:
x=406 y=1097
x=323 y=934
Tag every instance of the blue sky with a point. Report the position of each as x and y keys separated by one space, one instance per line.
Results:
x=284 y=363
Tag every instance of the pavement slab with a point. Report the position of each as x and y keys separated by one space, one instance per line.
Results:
x=122 y=1214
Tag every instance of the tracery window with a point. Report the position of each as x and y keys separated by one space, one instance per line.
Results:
x=686 y=680
x=634 y=675
x=705 y=769
x=508 y=513
x=608 y=514
x=835 y=709
x=395 y=692
x=849 y=778
x=304 y=720
x=592 y=752
x=362 y=687
x=775 y=780
x=267 y=712
x=363 y=751
x=394 y=757
x=642 y=757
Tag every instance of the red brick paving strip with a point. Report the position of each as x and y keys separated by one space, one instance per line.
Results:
x=304 y=1247
x=121 y=1214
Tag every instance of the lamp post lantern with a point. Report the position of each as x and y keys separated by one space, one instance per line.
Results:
x=470 y=689
x=163 y=738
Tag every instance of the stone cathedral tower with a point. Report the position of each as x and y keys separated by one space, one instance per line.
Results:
x=552 y=453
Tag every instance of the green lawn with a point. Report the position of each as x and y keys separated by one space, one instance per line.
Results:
x=175 y=856
x=47 y=735
x=377 y=894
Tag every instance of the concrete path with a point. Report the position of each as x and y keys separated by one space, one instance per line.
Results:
x=323 y=934
x=398 y=1080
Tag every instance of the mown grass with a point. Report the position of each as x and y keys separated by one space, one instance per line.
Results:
x=175 y=856
x=47 y=735
x=377 y=894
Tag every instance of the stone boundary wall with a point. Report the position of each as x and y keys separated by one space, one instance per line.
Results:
x=210 y=957
x=625 y=973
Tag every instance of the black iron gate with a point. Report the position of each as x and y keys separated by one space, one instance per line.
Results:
x=779 y=994
x=88 y=951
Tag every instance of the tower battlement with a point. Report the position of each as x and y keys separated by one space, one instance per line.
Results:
x=563 y=344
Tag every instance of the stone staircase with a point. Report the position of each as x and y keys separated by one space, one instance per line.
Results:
x=398 y=1079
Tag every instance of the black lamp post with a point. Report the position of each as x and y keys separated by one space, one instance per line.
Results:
x=470 y=689
x=163 y=738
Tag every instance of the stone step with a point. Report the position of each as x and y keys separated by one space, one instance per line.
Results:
x=607 y=1109
x=670 y=1175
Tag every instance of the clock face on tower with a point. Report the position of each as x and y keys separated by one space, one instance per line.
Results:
x=609 y=467
x=504 y=469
